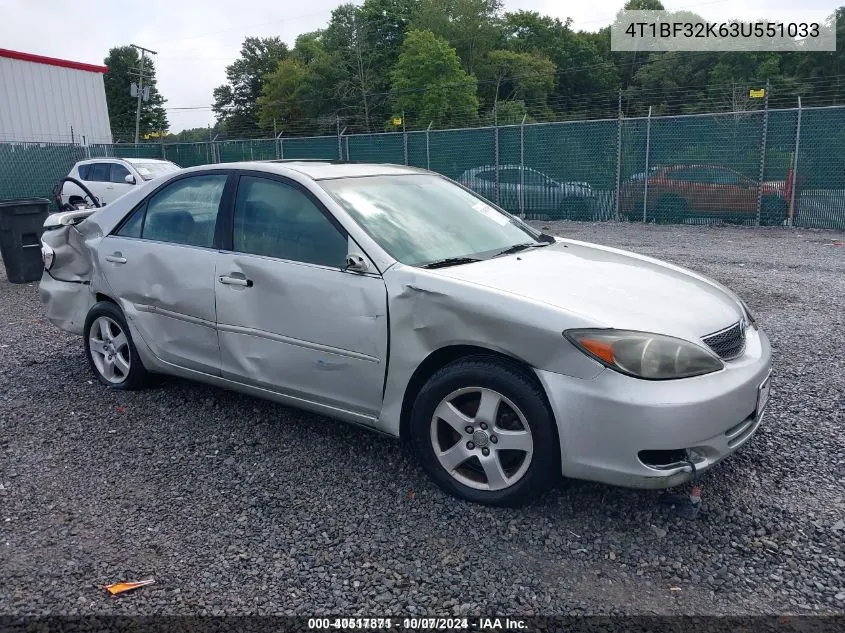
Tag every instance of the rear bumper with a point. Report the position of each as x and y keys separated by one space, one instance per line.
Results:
x=606 y=423
x=66 y=303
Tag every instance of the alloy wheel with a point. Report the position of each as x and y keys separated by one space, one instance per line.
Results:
x=109 y=349
x=481 y=438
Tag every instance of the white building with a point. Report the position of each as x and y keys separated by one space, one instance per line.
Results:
x=48 y=100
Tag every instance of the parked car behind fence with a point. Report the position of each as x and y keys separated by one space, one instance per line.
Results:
x=110 y=178
x=683 y=192
x=542 y=196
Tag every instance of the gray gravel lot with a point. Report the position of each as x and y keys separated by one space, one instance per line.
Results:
x=236 y=505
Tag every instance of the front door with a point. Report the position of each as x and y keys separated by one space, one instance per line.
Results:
x=289 y=318
x=159 y=265
x=117 y=185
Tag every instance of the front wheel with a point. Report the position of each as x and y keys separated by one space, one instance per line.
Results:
x=110 y=350
x=482 y=430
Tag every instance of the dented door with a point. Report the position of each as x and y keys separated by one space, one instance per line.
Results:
x=167 y=291
x=289 y=318
x=303 y=330
x=159 y=265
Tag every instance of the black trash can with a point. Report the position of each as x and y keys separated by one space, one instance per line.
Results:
x=21 y=226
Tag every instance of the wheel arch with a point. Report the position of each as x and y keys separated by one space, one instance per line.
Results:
x=443 y=356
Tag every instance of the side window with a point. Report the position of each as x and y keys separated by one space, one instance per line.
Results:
x=185 y=212
x=84 y=172
x=278 y=220
x=132 y=226
x=98 y=172
x=118 y=173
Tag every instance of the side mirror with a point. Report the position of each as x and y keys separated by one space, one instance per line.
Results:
x=356 y=263
x=130 y=179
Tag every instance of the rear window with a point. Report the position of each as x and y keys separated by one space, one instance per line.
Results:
x=84 y=172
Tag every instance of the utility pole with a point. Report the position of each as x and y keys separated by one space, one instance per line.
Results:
x=140 y=87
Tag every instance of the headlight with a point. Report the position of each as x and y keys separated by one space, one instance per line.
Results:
x=47 y=256
x=645 y=355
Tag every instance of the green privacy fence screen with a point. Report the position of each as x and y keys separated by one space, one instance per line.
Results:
x=784 y=166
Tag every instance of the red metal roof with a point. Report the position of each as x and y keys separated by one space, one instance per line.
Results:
x=51 y=61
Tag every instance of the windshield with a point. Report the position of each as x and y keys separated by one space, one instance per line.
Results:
x=420 y=219
x=149 y=171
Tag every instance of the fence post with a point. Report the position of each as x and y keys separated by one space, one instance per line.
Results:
x=404 y=139
x=346 y=142
x=496 y=148
x=762 y=155
x=427 y=150
x=215 y=151
x=280 y=148
x=522 y=167
x=647 y=149
x=339 y=149
x=794 y=168
x=618 y=156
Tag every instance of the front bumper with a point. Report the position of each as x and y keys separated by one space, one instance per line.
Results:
x=605 y=423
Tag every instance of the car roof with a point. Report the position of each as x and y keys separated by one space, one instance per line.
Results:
x=144 y=160
x=99 y=159
x=323 y=169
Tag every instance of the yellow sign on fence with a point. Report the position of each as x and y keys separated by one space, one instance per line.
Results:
x=757 y=94
x=397 y=120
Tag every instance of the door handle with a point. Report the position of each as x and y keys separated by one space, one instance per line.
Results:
x=116 y=258
x=235 y=281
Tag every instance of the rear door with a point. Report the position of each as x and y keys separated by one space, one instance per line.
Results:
x=159 y=264
x=290 y=319
x=98 y=180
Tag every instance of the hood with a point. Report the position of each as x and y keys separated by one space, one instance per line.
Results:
x=610 y=287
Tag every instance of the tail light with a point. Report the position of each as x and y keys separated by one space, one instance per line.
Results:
x=47 y=256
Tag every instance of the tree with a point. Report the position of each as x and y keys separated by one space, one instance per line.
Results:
x=429 y=84
x=471 y=26
x=585 y=75
x=123 y=63
x=527 y=77
x=283 y=97
x=346 y=39
x=236 y=102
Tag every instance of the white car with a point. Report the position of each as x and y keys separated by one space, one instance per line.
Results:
x=110 y=178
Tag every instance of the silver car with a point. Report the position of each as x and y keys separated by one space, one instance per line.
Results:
x=540 y=195
x=396 y=299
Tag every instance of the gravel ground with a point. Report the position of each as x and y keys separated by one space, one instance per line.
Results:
x=236 y=505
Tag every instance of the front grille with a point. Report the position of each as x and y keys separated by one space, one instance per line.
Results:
x=728 y=343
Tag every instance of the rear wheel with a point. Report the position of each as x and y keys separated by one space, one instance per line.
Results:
x=110 y=350
x=482 y=430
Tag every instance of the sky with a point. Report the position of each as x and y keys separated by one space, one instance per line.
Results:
x=197 y=39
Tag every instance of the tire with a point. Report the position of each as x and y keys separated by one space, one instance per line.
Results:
x=117 y=365
x=519 y=410
x=670 y=209
x=772 y=211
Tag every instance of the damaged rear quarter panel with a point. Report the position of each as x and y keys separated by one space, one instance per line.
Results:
x=68 y=289
x=429 y=312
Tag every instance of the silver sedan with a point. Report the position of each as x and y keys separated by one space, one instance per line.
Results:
x=396 y=299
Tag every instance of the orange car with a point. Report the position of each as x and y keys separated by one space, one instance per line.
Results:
x=683 y=191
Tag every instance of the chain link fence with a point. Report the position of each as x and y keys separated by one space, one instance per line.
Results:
x=766 y=167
